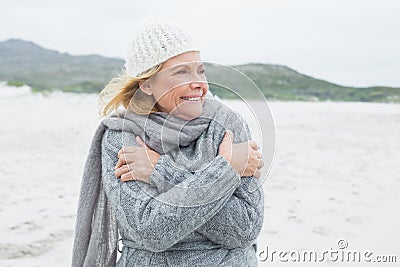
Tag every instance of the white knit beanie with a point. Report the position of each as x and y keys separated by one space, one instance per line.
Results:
x=155 y=43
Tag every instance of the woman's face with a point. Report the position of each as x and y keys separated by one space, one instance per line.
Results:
x=180 y=86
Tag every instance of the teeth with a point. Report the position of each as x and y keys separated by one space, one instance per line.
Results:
x=191 y=98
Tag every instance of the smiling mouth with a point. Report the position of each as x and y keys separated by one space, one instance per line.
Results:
x=191 y=98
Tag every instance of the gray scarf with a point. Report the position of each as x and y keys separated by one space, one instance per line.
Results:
x=96 y=229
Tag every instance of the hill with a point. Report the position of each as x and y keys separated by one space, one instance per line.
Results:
x=44 y=69
x=24 y=62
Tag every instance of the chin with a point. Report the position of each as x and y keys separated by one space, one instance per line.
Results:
x=189 y=111
x=189 y=116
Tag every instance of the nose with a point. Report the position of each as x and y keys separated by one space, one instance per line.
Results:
x=201 y=86
x=196 y=85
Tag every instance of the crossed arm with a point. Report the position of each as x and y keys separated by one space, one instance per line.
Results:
x=154 y=220
x=239 y=221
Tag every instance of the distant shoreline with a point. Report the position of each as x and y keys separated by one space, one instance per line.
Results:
x=45 y=70
x=27 y=90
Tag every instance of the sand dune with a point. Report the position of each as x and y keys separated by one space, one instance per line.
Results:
x=335 y=176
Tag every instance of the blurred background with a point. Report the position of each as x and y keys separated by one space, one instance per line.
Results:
x=329 y=71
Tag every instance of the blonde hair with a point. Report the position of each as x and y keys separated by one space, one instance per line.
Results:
x=123 y=91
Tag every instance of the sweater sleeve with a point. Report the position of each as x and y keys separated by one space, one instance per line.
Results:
x=157 y=221
x=239 y=222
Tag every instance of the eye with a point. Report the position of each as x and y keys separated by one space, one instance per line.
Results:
x=202 y=71
x=183 y=71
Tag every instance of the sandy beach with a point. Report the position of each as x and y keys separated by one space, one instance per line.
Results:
x=336 y=176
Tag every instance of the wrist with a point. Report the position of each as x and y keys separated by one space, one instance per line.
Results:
x=226 y=157
x=155 y=159
x=228 y=160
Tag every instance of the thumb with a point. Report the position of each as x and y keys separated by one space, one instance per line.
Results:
x=229 y=135
x=139 y=141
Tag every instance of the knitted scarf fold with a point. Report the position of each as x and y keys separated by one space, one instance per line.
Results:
x=96 y=228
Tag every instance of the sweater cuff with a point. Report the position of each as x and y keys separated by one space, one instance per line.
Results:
x=160 y=167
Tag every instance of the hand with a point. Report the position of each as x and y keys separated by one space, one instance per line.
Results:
x=243 y=157
x=136 y=163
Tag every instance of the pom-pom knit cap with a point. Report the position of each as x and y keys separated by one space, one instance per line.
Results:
x=155 y=43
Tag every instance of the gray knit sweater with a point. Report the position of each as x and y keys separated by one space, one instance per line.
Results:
x=196 y=211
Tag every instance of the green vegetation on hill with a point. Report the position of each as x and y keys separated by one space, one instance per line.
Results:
x=23 y=62
x=43 y=69
x=282 y=83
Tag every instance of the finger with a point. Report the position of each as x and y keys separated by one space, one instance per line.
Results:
x=260 y=164
x=231 y=135
x=257 y=173
x=253 y=144
x=127 y=177
x=121 y=161
x=127 y=149
x=117 y=165
x=228 y=136
x=122 y=170
x=225 y=139
x=257 y=154
x=124 y=159
x=127 y=158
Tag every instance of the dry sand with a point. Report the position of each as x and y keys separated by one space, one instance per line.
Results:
x=336 y=175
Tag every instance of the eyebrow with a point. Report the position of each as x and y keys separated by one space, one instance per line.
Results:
x=183 y=65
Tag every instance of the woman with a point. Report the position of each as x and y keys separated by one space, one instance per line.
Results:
x=173 y=175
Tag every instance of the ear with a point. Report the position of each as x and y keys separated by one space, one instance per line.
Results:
x=145 y=87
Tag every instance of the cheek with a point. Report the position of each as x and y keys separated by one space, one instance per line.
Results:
x=169 y=99
x=205 y=87
x=161 y=92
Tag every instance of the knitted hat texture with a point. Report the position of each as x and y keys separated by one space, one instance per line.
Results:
x=155 y=43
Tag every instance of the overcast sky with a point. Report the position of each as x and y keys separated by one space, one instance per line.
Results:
x=349 y=42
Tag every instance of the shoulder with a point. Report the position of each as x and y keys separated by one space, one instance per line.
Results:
x=115 y=139
x=232 y=120
x=240 y=128
x=112 y=138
